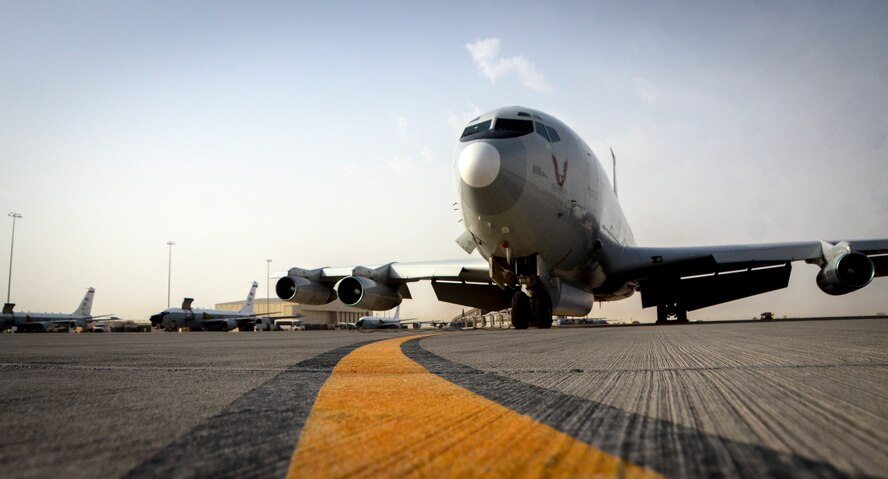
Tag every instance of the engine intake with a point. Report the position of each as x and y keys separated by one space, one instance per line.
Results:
x=297 y=289
x=364 y=293
x=846 y=273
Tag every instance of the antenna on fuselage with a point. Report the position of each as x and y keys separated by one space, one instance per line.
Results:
x=614 y=157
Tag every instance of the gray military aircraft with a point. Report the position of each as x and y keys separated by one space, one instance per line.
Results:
x=27 y=321
x=197 y=319
x=538 y=207
x=379 y=322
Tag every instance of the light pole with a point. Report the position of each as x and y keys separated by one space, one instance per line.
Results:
x=14 y=216
x=169 y=270
x=267 y=283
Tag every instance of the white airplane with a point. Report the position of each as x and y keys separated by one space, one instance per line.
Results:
x=378 y=322
x=538 y=207
x=42 y=322
x=197 y=319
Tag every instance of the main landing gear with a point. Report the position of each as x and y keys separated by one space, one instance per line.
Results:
x=535 y=309
x=675 y=310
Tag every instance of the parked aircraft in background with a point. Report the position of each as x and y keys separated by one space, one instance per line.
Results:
x=197 y=319
x=27 y=321
x=378 y=322
x=537 y=205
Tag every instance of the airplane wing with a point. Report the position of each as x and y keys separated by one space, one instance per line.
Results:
x=381 y=287
x=639 y=262
x=701 y=276
x=471 y=269
x=708 y=275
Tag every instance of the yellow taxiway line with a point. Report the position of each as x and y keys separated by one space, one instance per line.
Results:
x=381 y=414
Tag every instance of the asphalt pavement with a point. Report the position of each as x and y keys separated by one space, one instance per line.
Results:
x=770 y=399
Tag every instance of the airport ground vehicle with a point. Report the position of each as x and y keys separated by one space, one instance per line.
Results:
x=289 y=325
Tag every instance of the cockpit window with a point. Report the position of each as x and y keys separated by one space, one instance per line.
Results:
x=553 y=135
x=515 y=126
x=474 y=129
x=541 y=130
x=502 y=128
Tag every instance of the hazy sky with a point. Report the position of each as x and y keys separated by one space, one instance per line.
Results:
x=321 y=134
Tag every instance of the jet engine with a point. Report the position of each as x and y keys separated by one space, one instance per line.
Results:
x=364 y=293
x=298 y=289
x=845 y=273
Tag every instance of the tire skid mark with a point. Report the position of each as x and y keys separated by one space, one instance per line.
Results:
x=254 y=436
x=666 y=447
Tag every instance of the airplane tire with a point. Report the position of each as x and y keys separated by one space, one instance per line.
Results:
x=542 y=310
x=521 y=312
x=681 y=316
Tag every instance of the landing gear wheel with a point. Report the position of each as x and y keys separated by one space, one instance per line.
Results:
x=521 y=312
x=681 y=316
x=542 y=310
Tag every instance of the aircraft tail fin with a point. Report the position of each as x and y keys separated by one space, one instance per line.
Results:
x=248 y=304
x=7 y=308
x=85 y=305
x=398 y=313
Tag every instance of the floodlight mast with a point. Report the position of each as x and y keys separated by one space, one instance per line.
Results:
x=169 y=270
x=14 y=217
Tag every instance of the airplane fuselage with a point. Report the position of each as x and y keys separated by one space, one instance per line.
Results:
x=533 y=189
x=196 y=319
x=41 y=321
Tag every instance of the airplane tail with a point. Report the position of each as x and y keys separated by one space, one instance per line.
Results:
x=398 y=313
x=248 y=304
x=85 y=305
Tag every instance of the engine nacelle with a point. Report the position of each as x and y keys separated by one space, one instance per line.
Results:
x=297 y=289
x=846 y=273
x=364 y=293
x=571 y=301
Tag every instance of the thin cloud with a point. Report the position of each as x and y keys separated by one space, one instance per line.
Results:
x=457 y=121
x=645 y=90
x=402 y=125
x=486 y=54
x=401 y=165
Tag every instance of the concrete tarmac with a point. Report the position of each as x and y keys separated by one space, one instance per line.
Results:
x=799 y=399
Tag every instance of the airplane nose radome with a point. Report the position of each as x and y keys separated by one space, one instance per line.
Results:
x=479 y=164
